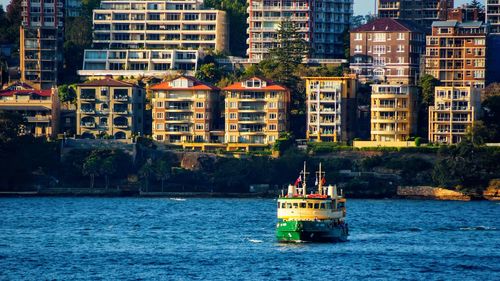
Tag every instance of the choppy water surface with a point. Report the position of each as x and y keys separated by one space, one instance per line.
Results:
x=233 y=239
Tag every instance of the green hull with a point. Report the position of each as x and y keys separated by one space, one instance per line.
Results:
x=311 y=231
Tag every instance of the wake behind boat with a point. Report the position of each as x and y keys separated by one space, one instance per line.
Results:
x=315 y=217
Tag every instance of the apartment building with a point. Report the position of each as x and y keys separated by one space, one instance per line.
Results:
x=109 y=108
x=393 y=112
x=493 y=57
x=387 y=50
x=185 y=110
x=456 y=53
x=150 y=37
x=422 y=12
x=493 y=15
x=331 y=108
x=454 y=112
x=255 y=113
x=40 y=108
x=41 y=39
x=72 y=8
x=321 y=23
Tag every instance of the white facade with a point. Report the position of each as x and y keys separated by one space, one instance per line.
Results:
x=493 y=15
x=321 y=23
x=149 y=36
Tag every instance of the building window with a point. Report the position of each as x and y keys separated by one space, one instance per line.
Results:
x=159 y=104
x=159 y=115
x=159 y=137
x=358 y=36
x=199 y=116
x=272 y=116
x=358 y=49
x=159 y=126
x=232 y=116
x=232 y=127
x=199 y=104
x=379 y=37
x=272 y=127
x=199 y=126
x=401 y=36
x=401 y=72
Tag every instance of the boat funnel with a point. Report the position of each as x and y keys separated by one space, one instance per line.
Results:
x=332 y=191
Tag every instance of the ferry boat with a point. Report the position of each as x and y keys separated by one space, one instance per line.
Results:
x=315 y=217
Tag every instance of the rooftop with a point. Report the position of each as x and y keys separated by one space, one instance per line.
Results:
x=387 y=25
x=106 y=82
x=197 y=85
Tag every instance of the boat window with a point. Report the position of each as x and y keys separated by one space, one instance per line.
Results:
x=283 y=205
x=302 y=205
x=316 y=205
x=322 y=206
x=295 y=205
x=332 y=206
x=289 y=205
x=279 y=205
x=310 y=205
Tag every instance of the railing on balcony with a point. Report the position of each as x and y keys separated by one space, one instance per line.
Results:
x=87 y=124
x=120 y=97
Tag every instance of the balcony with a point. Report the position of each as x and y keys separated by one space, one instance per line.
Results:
x=122 y=98
x=87 y=124
x=251 y=108
x=87 y=97
x=87 y=110
x=38 y=119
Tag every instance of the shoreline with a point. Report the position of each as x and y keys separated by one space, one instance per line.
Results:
x=110 y=193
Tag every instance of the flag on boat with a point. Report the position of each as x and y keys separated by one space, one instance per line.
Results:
x=323 y=181
x=298 y=180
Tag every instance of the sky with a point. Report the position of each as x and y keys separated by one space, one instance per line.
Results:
x=361 y=7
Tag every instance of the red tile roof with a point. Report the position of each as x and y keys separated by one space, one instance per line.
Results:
x=42 y=93
x=271 y=86
x=387 y=25
x=106 y=82
x=197 y=85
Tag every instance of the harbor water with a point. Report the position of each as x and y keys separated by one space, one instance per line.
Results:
x=234 y=239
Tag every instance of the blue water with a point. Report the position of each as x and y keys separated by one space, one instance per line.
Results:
x=233 y=239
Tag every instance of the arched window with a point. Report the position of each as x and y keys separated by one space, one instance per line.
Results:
x=120 y=135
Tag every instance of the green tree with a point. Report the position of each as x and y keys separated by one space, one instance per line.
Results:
x=236 y=16
x=91 y=167
x=475 y=4
x=427 y=84
x=12 y=22
x=291 y=49
x=209 y=73
x=11 y=125
x=491 y=117
x=162 y=170
x=78 y=37
x=146 y=171
x=66 y=93
x=107 y=168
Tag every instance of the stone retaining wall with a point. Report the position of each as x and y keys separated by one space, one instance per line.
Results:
x=429 y=192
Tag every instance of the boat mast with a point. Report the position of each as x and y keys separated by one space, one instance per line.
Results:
x=304 y=182
x=320 y=180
